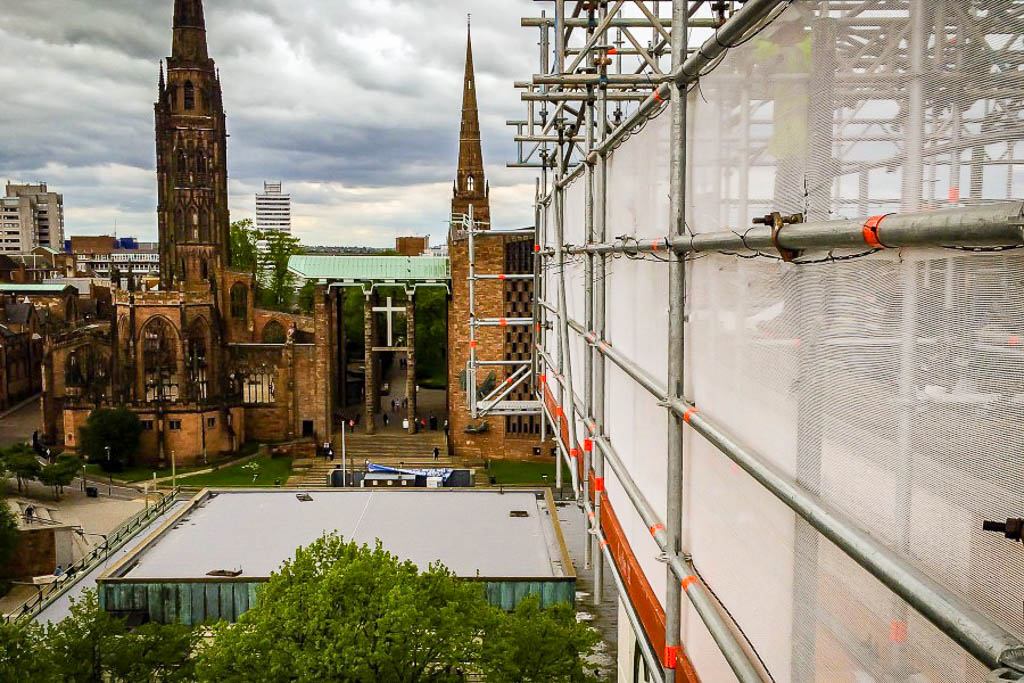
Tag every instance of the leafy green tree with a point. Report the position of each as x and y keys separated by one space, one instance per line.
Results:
x=244 y=246
x=343 y=612
x=278 y=282
x=431 y=337
x=79 y=644
x=534 y=645
x=24 y=655
x=59 y=474
x=118 y=428
x=22 y=462
x=8 y=542
x=307 y=297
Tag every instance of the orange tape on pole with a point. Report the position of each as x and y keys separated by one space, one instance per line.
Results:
x=588 y=445
x=688 y=413
x=599 y=484
x=870 y=231
x=656 y=528
x=501 y=276
x=536 y=247
x=685 y=583
x=472 y=344
x=671 y=655
x=503 y=322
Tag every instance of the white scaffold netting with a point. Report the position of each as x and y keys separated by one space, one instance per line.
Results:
x=889 y=383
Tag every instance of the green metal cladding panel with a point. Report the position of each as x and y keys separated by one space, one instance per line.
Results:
x=324 y=267
x=208 y=601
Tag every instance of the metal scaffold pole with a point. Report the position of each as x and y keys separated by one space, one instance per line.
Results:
x=676 y=309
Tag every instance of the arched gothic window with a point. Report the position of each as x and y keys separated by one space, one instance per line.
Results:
x=257 y=384
x=273 y=333
x=470 y=183
x=74 y=375
x=160 y=360
x=239 y=301
x=190 y=95
x=201 y=162
x=204 y=226
x=193 y=224
x=196 y=358
x=182 y=164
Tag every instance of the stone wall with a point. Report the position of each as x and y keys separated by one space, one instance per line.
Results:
x=38 y=551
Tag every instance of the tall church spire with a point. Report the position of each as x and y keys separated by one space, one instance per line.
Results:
x=470 y=182
x=189 y=41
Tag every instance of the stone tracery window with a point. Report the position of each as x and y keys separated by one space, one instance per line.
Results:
x=239 y=301
x=160 y=361
x=190 y=95
x=257 y=384
x=470 y=183
x=196 y=358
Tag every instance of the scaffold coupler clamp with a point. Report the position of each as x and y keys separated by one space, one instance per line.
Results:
x=775 y=221
x=1012 y=528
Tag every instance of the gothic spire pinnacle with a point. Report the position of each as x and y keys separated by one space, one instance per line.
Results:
x=161 y=82
x=189 y=42
x=470 y=183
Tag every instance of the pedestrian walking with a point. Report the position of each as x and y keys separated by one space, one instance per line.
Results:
x=385 y=416
x=351 y=426
x=58 y=571
x=437 y=453
x=330 y=452
x=29 y=511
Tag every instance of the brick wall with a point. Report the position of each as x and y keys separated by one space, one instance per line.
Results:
x=490 y=303
x=35 y=554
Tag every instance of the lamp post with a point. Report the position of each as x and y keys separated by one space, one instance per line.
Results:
x=110 y=476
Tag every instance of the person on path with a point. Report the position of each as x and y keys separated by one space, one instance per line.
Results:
x=351 y=426
x=385 y=416
x=29 y=511
x=437 y=453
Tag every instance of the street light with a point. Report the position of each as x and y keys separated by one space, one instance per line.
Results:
x=110 y=476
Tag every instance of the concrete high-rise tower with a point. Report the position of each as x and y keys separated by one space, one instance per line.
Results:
x=470 y=183
x=274 y=209
x=191 y=158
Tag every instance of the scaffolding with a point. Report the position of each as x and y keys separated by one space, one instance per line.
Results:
x=865 y=112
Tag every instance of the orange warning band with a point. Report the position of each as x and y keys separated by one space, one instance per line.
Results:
x=574 y=453
x=588 y=445
x=543 y=379
x=501 y=276
x=604 y=543
x=599 y=484
x=559 y=412
x=612 y=51
x=656 y=528
x=503 y=322
x=686 y=582
x=657 y=96
x=671 y=655
x=870 y=231
x=472 y=344
x=536 y=247
x=688 y=413
x=590 y=515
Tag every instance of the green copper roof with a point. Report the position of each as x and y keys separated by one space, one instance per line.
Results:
x=31 y=288
x=404 y=268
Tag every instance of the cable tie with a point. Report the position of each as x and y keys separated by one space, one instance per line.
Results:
x=870 y=231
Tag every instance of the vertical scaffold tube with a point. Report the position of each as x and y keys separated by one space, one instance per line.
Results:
x=676 y=307
x=588 y=350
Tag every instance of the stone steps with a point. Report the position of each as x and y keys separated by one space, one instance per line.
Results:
x=391 y=449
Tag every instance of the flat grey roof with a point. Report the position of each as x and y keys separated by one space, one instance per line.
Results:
x=470 y=531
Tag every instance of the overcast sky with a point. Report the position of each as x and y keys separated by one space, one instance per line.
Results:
x=354 y=105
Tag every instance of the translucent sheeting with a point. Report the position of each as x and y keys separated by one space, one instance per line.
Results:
x=891 y=384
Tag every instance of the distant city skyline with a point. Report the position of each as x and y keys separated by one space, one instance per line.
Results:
x=354 y=107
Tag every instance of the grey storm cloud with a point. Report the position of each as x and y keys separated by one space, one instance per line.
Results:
x=354 y=104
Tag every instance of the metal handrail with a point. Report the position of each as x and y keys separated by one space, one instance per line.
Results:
x=29 y=609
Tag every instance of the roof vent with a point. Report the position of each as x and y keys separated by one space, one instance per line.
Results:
x=304 y=497
x=518 y=513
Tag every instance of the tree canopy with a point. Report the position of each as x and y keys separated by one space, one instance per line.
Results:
x=118 y=428
x=244 y=246
x=337 y=611
x=278 y=283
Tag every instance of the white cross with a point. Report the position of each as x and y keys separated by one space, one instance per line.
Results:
x=389 y=309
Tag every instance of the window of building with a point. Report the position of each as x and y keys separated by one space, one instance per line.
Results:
x=211 y=422
x=160 y=361
x=239 y=301
x=147 y=425
x=257 y=385
x=470 y=183
x=273 y=333
x=196 y=346
x=174 y=425
x=190 y=95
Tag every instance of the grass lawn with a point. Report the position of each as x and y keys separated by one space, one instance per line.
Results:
x=530 y=473
x=136 y=474
x=143 y=472
x=269 y=469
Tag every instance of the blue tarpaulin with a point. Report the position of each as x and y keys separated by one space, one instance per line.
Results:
x=443 y=472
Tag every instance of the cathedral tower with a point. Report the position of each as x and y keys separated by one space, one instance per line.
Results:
x=470 y=184
x=191 y=159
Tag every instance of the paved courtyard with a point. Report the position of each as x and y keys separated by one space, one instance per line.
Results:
x=17 y=425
